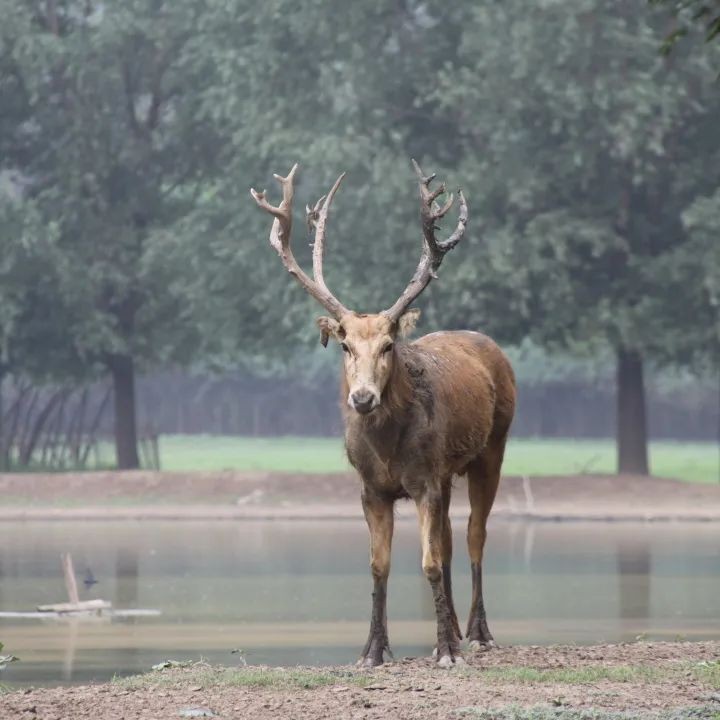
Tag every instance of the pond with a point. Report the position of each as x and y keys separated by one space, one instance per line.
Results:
x=299 y=592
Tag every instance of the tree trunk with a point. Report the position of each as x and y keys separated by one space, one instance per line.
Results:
x=4 y=465
x=123 y=375
x=631 y=426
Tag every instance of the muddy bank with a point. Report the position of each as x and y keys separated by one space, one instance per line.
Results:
x=645 y=680
x=155 y=495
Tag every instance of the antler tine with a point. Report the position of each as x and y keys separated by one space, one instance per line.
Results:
x=319 y=245
x=433 y=250
x=282 y=225
x=280 y=239
x=313 y=213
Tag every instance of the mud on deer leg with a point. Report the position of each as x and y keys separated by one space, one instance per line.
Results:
x=447 y=588
x=448 y=646
x=379 y=516
x=483 y=479
x=430 y=515
x=447 y=548
x=377 y=643
x=478 y=632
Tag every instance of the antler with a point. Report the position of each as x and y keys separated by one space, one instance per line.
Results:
x=433 y=251
x=280 y=239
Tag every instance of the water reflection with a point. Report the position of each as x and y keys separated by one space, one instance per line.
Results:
x=289 y=592
x=633 y=564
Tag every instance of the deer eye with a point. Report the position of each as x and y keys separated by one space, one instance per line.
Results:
x=344 y=347
x=387 y=348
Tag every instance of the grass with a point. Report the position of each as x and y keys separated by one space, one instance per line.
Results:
x=708 y=672
x=694 y=462
x=207 y=677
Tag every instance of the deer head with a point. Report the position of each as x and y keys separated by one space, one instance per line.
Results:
x=367 y=340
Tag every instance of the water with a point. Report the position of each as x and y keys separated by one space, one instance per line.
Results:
x=299 y=592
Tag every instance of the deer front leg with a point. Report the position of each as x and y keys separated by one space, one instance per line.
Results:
x=379 y=515
x=431 y=517
x=447 y=549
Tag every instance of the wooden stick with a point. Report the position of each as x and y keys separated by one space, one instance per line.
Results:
x=70 y=581
x=85 y=606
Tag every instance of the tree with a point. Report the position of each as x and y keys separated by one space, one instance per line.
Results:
x=114 y=146
x=587 y=157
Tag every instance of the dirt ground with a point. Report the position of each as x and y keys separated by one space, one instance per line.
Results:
x=643 y=680
x=133 y=495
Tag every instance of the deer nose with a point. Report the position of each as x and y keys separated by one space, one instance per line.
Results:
x=363 y=401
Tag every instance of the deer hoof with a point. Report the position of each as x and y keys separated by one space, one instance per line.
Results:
x=482 y=645
x=369 y=662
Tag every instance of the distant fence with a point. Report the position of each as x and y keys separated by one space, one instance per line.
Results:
x=49 y=426
x=62 y=427
x=236 y=404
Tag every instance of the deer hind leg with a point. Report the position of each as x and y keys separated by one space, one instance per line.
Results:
x=483 y=479
x=379 y=515
x=447 y=549
x=432 y=528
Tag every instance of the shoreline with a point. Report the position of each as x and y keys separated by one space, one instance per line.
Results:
x=640 y=680
x=329 y=513
x=246 y=496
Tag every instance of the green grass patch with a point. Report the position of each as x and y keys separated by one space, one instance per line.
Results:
x=695 y=462
x=692 y=462
x=246 y=677
x=708 y=672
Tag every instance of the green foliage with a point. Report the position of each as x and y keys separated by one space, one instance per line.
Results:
x=703 y=15
x=111 y=160
x=30 y=317
x=589 y=155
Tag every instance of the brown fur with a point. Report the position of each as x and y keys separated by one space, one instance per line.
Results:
x=447 y=402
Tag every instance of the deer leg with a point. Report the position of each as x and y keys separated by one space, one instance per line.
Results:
x=379 y=515
x=430 y=515
x=483 y=479
x=447 y=549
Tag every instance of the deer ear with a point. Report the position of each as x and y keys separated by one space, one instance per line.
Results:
x=329 y=327
x=407 y=322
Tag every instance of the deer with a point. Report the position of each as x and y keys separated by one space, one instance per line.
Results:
x=416 y=415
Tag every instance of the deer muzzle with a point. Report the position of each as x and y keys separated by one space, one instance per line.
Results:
x=363 y=400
